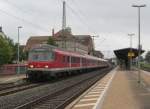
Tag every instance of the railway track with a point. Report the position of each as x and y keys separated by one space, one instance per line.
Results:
x=61 y=98
x=4 y=86
x=16 y=88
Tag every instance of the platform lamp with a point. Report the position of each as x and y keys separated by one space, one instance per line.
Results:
x=93 y=43
x=131 y=34
x=18 y=70
x=139 y=34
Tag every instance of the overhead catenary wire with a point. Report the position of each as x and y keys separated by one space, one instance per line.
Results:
x=17 y=7
x=79 y=17
x=30 y=12
x=83 y=17
x=23 y=20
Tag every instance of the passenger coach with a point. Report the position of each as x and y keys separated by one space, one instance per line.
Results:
x=46 y=60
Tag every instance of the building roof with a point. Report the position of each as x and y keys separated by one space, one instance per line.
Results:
x=33 y=40
x=62 y=35
x=123 y=53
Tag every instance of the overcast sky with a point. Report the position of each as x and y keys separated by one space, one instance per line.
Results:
x=111 y=20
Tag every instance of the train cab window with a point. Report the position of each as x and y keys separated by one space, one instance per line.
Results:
x=41 y=56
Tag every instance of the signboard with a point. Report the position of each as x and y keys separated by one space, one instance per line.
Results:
x=131 y=54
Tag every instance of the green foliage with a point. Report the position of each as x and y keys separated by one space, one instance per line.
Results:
x=147 y=57
x=9 y=50
x=145 y=66
x=51 y=41
x=22 y=56
x=5 y=51
x=13 y=47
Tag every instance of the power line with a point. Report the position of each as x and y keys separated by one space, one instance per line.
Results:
x=23 y=20
x=80 y=18
x=29 y=12
x=16 y=6
x=84 y=16
x=79 y=14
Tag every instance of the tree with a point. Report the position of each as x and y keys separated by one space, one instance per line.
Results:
x=23 y=54
x=5 y=51
x=13 y=47
x=51 y=41
x=147 y=57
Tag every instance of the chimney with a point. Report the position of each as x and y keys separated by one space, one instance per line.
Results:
x=53 y=32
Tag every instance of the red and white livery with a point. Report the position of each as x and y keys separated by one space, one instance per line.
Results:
x=47 y=60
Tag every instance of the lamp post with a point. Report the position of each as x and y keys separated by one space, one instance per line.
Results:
x=131 y=34
x=93 y=44
x=18 y=70
x=139 y=34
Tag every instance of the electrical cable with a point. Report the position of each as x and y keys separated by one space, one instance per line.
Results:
x=23 y=20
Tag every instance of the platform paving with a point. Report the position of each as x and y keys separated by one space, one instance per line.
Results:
x=92 y=97
x=124 y=92
x=120 y=95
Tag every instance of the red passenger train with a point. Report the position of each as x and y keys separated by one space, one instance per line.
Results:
x=46 y=60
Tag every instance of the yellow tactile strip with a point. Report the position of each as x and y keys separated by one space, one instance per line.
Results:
x=94 y=96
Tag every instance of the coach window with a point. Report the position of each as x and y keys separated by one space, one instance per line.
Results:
x=53 y=55
x=68 y=59
x=63 y=59
x=78 y=60
x=75 y=60
x=72 y=60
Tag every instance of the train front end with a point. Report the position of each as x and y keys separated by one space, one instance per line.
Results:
x=40 y=62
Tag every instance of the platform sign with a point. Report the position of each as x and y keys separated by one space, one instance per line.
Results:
x=131 y=54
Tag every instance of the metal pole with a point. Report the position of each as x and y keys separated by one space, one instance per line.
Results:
x=93 y=44
x=139 y=45
x=18 y=71
x=131 y=49
x=131 y=52
x=64 y=24
x=139 y=48
x=64 y=16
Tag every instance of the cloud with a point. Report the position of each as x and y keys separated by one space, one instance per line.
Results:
x=115 y=18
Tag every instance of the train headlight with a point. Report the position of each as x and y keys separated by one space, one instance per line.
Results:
x=31 y=66
x=46 y=66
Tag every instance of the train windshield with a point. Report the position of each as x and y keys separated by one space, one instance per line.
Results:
x=41 y=56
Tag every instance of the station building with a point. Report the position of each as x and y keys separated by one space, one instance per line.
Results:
x=64 y=39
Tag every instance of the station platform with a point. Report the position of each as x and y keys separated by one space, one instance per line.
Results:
x=119 y=89
x=11 y=78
